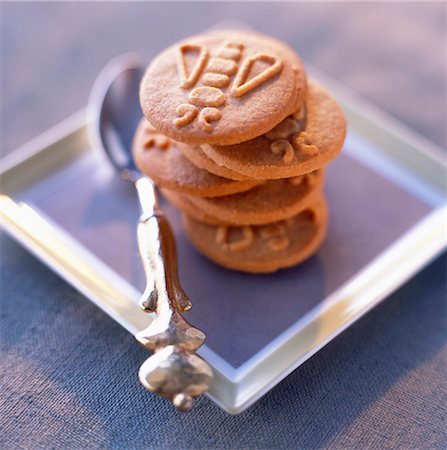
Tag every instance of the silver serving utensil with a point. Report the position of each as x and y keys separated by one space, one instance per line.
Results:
x=174 y=371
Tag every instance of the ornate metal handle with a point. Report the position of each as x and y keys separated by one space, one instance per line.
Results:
x=174 y=371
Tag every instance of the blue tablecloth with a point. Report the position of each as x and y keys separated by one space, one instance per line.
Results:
x=67 y=371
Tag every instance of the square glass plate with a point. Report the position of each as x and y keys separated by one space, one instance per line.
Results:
x=63 y=201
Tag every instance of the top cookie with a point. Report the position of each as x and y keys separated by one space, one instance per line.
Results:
x=222 y=88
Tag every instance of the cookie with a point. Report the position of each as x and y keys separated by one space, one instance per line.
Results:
x=199 y=158
x=221 y=88
x=272 y=201
x=261 y=248
x=286 y=52
x=184 y=203
x=158 y=157
x=302 y=143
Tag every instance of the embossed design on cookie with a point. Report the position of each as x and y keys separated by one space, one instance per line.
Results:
x=216 y=80
x=289 y=137
x=231 y=50
x=283 y=147
x=302 y=143
x=221 y=65
x=187 y=113
x=216 y=77
x=242 y=87
x=208 y=115
x=156 y=139
x=245 y=241
x=206 y=96
x=217 y=72
x=275 y=235
x=189 y=80
x=280 y=136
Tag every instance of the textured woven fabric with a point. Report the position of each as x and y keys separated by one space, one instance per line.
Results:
x=68 y=378
x=68 y=372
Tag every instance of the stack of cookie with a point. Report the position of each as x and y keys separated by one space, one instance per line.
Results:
x=237 y=138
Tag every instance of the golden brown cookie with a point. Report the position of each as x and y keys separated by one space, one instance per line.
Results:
x=158 y=157
x=221 y=88
x=199 y=158
x=269 y=202
x=261 y=248
x=302 y=143
x=286 y=52
x=184 y=203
